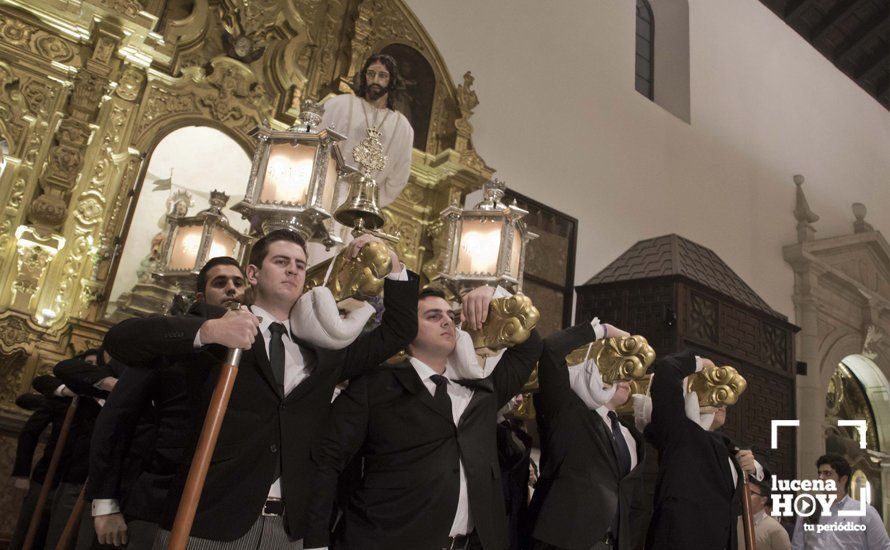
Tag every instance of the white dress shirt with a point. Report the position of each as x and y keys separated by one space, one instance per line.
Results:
x=460 y=398
x=854 y=532
x=629 y=439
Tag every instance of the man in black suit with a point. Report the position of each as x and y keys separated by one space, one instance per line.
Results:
x=428 y=441
x=257 y=488
x=589 y=493
x=48 y=412
x=91 y=377
x=514 y=455
x=697 y=492
x=140 y=434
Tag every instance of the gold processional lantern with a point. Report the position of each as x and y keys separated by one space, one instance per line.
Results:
x=293 y=178
x=193 y=240
x=486 y=246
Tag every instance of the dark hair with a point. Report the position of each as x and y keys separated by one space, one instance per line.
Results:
x=261 y=247
x=201 y=281
x=396 y=85
x=431 y=292
x=763 y=485
x=840 y=465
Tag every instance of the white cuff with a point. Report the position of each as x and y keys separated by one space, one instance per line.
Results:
x=105 y=506
x=400 y=276
x=699 y=364
x=58 y=391
x=758 y=471
x=501 y=292
x=598 y=328
x=198 y=343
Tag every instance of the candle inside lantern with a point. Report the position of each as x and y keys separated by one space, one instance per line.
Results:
x=288 y=174
x=480 y=244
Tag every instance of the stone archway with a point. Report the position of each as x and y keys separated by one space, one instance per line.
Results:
x=842 y=304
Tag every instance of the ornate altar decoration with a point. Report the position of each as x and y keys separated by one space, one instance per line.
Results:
x=90 y=88
x=717 y=386
x=192 y=240
x=510 y=322
x=618 y=359
x=293 y=178
x=360 y=277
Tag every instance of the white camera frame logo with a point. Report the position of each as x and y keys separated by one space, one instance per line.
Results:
x=784 y=501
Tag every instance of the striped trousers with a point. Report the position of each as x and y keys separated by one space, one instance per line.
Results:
x=267 y=533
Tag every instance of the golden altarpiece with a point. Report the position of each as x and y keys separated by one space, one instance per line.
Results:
x=88 y=88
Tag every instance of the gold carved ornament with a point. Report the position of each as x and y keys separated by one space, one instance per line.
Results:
x=510 y=322
x=717 y=386
x=361 y=277
x=618 y=359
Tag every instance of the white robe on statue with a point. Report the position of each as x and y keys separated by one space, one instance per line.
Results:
x=345 y=113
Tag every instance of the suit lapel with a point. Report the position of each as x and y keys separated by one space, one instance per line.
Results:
x=408 y=377
x=482 y=387
x=311 y=364
x=604 y=441
x=262 y=362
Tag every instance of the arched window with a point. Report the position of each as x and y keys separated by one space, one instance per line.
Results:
x=645 y=62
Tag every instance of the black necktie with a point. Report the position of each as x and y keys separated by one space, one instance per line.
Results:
x=276 y=354
x=441 y=398
x=622 y=453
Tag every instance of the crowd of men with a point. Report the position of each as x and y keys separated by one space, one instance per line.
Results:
x=412 y=454
x=330 y=442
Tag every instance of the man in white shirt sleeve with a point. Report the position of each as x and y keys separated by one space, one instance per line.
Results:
x=852 y=531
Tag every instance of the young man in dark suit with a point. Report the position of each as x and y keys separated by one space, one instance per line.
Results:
x=589 y=494
x=697 y=492
x=139 y=436
x=257 y=488
x=428 y=442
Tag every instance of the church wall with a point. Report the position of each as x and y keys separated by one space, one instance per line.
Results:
x=561 y=121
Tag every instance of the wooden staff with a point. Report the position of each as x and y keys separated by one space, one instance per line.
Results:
x=73 y=520
x=50 y=474
x=188 y=503
x=747 y=518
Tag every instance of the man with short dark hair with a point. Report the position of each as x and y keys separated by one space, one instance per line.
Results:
x=852 y=531
x=768 y=532
x=257 y=487
x=140 y=434
x=589 y=494
x=427 y=438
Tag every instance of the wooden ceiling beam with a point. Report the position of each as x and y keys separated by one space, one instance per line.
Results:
x=865 y=33
x=836 y=14
x=795 y=8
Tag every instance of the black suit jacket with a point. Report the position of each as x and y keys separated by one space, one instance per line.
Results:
x=50 y=413
x=263 y=432
x=696 y=503
x=412 y=454
x=138 y=440
x=579 y=489
x=75 y=460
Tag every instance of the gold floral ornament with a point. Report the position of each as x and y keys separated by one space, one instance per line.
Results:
x=717 y=386
x=368 y=154
x=510 y=322
x=361 y=277
x=618 y=359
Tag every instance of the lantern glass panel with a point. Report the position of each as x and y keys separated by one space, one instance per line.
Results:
x=186 y=244
x=515 y=250
x=480 y=243
x=288 y=173
x=330 y=185
x=223 y=244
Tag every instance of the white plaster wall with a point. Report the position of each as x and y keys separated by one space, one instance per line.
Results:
x=202 y=159
x=560 y=120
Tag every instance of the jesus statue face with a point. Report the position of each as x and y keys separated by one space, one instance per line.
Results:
x=377 y=76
